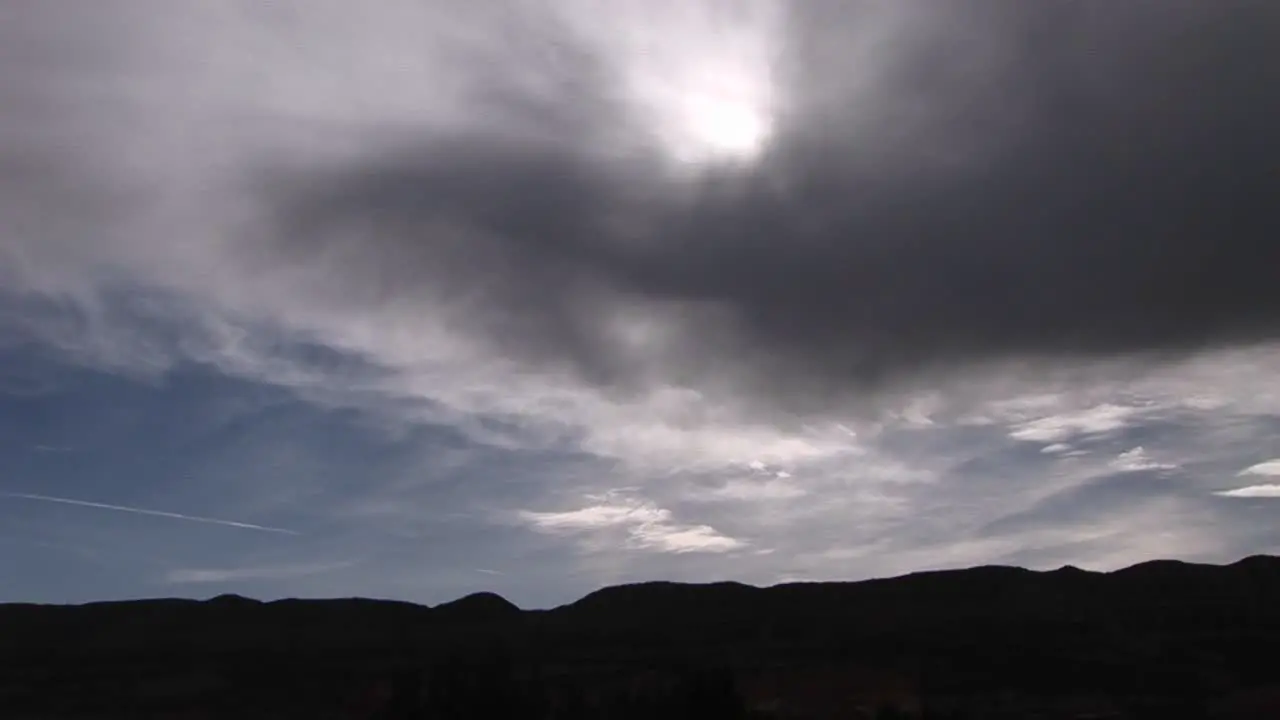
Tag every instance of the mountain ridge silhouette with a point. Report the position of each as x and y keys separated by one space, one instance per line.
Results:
x=1175 y=632
x=1263 y=561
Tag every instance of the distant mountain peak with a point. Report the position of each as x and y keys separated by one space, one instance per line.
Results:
x=233 y=599
x=478 y=607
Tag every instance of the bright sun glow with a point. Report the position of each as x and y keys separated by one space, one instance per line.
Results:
x=696 y=74
x=724 y=128
x=711 y=115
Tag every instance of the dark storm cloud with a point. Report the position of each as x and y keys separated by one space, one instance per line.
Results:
x=1013 y=179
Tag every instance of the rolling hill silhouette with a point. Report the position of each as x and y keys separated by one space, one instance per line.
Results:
x=1159 y=639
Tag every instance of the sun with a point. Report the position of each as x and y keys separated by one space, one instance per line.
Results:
x=694 y=79
x=707 y=119
x=723 y=129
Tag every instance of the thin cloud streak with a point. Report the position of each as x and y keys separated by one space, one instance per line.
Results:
x=185 y=576
x=1252 y=491
x=154 y=513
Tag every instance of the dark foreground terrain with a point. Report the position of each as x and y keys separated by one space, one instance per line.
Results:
x=1158 y=640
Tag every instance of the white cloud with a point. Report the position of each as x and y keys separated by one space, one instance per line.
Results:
x=598 y=517
x=1252 y=491
x=1098 y=420
x=1137 y=460
x=275 y=572
x=1270 y=468
x=646 y=525
x=674 y=539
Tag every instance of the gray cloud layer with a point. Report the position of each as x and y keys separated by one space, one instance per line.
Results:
x=1023 y=180
x=573 y=358
x=944 y=186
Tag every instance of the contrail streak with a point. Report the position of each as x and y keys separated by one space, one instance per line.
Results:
x=156 y=513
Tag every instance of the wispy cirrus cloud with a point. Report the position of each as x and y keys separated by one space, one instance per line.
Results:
x=1253 y=491
x=1269 y=468
x=186 y=576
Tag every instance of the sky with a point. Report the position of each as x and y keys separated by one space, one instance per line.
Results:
x=416 y=298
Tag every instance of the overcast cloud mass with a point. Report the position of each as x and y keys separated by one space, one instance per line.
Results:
x=423 y=297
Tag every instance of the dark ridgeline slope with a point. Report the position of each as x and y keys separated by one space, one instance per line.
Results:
x=1163 y=635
